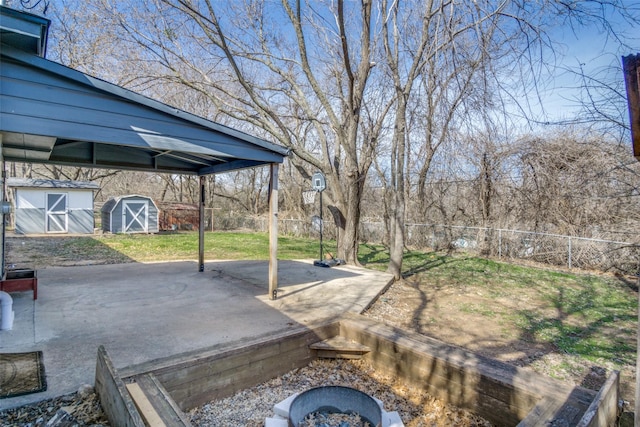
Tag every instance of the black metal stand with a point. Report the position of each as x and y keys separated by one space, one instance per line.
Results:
x=321 y=262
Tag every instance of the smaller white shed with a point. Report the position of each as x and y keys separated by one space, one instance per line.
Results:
x=52 y=206
x=130 y=214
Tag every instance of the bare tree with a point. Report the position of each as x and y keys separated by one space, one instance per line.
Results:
x=448 y=49
x=600 y=101
x=298 y=71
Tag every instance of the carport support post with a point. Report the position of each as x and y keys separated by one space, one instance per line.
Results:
x=3 y=225
x=201 y=227
x=273 y=232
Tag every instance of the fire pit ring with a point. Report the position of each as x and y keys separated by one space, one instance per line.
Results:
x=335 y=399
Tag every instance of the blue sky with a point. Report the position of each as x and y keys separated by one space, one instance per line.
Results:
x=596 y=54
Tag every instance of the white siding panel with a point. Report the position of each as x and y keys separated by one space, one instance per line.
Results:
x=80 y=199
x=29 y=199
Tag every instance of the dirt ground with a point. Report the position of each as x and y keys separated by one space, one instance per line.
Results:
x=452 y=314
x=448 y=314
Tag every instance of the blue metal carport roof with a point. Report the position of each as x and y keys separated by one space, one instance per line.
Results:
x=50 y=113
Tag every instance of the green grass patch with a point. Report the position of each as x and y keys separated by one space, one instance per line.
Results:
x=483 y=309
x=217 y=245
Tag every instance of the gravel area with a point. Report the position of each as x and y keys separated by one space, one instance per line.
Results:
x=251 y=406
x=333 y=420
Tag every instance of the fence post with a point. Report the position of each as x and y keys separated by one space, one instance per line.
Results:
x=569 y=257
x=500 y=243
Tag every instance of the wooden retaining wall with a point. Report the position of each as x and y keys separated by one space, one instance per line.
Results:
x=112 y=391
x=503 y=394
x=196 y=378
x=443 y=371
x=603 y=411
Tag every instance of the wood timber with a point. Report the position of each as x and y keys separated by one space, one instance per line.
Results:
x=631 y=70
x=603 y=410
x=149 y=414
x=155 y=404
x=339 y=347
x=503 y=394
x=195 y=378
x=112 y=392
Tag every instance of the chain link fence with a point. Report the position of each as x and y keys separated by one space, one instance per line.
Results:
x=554 y=249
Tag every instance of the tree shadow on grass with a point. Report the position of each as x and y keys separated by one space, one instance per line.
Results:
x=583 y=322
x=585 y=325
x=435 y=260
x=417 y=262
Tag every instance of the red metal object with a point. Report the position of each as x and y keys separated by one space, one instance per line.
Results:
x=20 y=281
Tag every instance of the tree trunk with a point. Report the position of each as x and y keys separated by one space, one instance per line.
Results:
x=349 y=237
x=396 y=245
x=396 y=249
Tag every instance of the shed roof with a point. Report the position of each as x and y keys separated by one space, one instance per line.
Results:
x=51 y=183
x=50 y=113
x=113 y=202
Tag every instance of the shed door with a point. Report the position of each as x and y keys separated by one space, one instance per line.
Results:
x=135 y=217
x=57 y=214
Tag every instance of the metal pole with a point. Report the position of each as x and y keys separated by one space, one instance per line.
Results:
x=201 y=226
x=2 y=215
x=273 y=231
x=213 y=192
x=569 y=257
x=4 y=219
x=321 y=226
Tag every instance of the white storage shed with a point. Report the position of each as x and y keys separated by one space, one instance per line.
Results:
x=52 y=206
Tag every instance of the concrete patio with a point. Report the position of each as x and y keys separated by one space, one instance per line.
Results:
x=141 y=312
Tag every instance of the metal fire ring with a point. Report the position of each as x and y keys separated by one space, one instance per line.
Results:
x=334 y=399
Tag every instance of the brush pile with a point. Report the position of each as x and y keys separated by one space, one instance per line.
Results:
x=81 y=409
